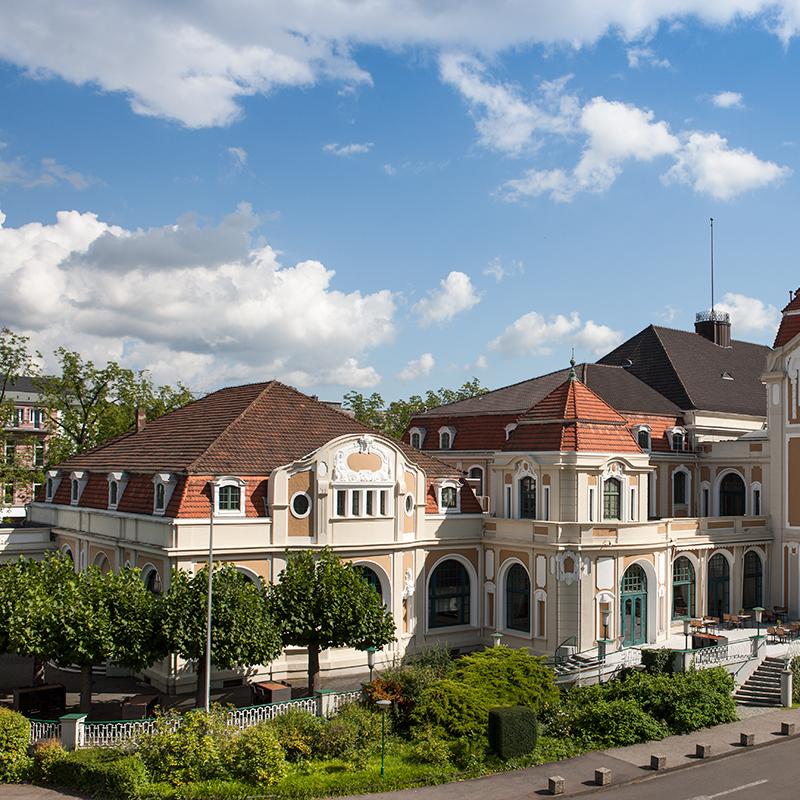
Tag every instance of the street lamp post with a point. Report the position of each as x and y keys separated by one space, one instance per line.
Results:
x=687 y=625
x=497 y=636
x=383 y=705
x=371 y=660
x=207 y=687
x=759 y=612
x=606 y=621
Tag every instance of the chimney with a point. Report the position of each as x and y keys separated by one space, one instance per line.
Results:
x=714 y=326
x=141 y=419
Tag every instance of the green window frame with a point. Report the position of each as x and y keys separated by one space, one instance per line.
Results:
x=683 y=588
x=612 y=499
x=527 y=498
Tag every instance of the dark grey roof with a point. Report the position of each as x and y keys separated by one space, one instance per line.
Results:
x=23 y=383
x=620 y=389
x=688 y=369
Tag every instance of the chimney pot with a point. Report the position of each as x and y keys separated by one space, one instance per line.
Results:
x=141 y=419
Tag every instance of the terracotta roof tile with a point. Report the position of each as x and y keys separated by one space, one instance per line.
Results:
x=789 y=327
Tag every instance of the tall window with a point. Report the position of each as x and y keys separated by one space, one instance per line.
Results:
x=677 y=441
x=449 y=595
x=371 y=577
x=612 y=490
x=9 y=450
x=38 y=454
x=19 y=417
x=719 y=579
x=683 y=588
x=527 y=498
x=38 y=418
x=444 y=440
x=416 y=440
x=643 y=438
x=159 y=497
x=732 y=496
x=752 y=587
x=230 y=498
x=113 y=492
x=8 y=494
x=476 y=473
x=518 y=599
x=756 y=502
x=75 y=491
x=449 y=497
x=679 y=488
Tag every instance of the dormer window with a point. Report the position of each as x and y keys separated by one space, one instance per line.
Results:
x=117 y=481
x=163 y=487
x=512 y=426
x=51 y=484
x=113 y=492
x=448 y=494
x=48 y=489
x=417 y=437
x=643 y=439
x=229 y=496
x=677 y=438
x=78 y=481
x=446 y=437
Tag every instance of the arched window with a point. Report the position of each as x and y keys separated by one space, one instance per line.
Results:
x=444 y=440
x=753 y=585
x=160 y=496
x=643 y=438
x=633 y=606
x=732 y=494
x=527 y=498
x=719 y=584
x=476 y=473
x=416 y=440
x=371 y=577
x=612 y=492
x=449 y=595
x=518 y=599
x=679 y=488
x=152 y=580
x=683 y=588
x=102 y=563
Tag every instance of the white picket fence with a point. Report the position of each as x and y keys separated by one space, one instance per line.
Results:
x=723 y=654
x=118 y=732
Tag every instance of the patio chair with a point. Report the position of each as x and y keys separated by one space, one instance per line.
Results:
x=771 y=634
x=727 y=620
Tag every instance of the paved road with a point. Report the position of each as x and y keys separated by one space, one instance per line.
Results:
x=763 y=772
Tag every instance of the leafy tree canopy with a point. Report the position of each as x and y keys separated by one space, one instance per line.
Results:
x=394 y=419
x=321 y=601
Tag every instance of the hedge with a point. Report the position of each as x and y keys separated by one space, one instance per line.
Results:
x=512 y=731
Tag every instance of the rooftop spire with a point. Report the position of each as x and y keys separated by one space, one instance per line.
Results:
x=572 y=375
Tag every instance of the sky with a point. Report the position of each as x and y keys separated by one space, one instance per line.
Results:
x=394 y=195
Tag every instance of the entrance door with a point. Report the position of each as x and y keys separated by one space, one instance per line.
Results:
x=633 y=606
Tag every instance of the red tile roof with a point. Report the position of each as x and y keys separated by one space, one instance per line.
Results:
x=572 y=417
x=790 y=324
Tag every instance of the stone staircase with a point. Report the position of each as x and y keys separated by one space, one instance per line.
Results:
x=763 y=687
x=575 y=663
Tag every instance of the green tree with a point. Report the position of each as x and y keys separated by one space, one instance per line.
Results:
x=322 y=602
x=95 y=404
x=394 y=419
x=84 y=618
x=243 y=632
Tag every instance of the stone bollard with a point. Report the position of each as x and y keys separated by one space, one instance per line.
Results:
x=555 y=784
x=658 y=761
x=702 y=750
x=602 y=776
x=786 y=688
x=747 y=739
x=787 y=728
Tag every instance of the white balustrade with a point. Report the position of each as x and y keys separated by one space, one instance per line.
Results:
x=43 y=729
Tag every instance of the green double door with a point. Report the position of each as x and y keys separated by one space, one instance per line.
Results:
x=633 y=607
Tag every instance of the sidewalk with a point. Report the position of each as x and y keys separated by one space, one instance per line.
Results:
x=626 y=763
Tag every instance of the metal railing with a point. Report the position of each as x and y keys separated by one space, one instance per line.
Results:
x=253 y=715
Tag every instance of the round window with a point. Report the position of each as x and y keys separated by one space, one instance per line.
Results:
x=301 y=504
x=409 y=504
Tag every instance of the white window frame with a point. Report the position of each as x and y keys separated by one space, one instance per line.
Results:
x=308 y=510
x=643 y=428
x=677 y=429
x=508 y=500
x=52 y=482
x=168 y=481
x=705 y=499
x=633 y=496
x=448 y=484
x=449 y=429
x=229 y=480
x=79 y=479
x=682 y=468
x=348 y=490
x=539 y=595
x=545 y=502
x=417 y=431
x=121 y=480
x=756 y=487
x=483 y=477
x=592 y=501
x=509 y=429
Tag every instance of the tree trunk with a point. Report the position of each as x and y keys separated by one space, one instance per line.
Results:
x=38 y=672
x=200 y=696
x=86 y=688
x=313 y=668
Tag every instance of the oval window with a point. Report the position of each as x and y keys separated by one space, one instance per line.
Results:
x=301 y=504
x=409 y=504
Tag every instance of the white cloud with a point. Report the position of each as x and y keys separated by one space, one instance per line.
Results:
x=389 y=169
x=194 y=63
x=49 y=173
x=417 y=367
x=505 y=120
x=748 y=314
x=345 y=150
x=454 y=294
x=728 y=100
x=641 y=56
x=616 y=132
x=197 y=304
x=707 y=164
x=533 y=334
x=496 y=270
x=481 y=362
x=238 y=156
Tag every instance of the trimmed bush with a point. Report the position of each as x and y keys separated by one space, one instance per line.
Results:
x=45 y=755
x=508 y=677
x=187 y=747
x=299 y=733
x=512 y=731
x=100 y=773
x=256 y=755
x=657 y=660
x=15 y=734
x=453 y=710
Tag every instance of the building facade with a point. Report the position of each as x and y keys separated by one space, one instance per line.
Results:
x=605 y=501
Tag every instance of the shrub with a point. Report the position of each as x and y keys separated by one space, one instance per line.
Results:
x=351 y=734
x=100 y=773
x=795 y=667
x=617 y=723
x=403 y=686
x=187 y=747
x=469 y=754
x=298 y=733
x=256 y=755
x=508 y=677
x=657 y=660
x=453 y=710
x=437 y=657
x=512 y=731
x=15 y=734
x=45 y=755
x=429 y=748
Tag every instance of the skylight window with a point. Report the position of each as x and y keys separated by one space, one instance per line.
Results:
x=726 y=376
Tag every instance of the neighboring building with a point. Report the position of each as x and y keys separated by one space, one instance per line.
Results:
x=282 y=471
x=24 y=442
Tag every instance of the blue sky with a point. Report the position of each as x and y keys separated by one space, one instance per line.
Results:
x=401 y=197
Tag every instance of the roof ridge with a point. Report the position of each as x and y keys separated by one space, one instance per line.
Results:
x=227 y=427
